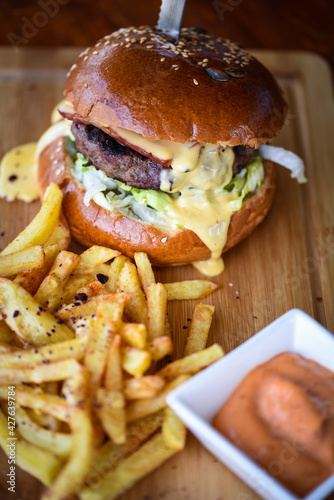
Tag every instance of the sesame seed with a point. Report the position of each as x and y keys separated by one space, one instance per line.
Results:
x=149 y=46
x=195 y=81
x=163 y=59
x=59 y=170
x=176 y=68
x=107 y=42
x=85 y=85
x=85 y=58
x=95 y=52
x=164 y=239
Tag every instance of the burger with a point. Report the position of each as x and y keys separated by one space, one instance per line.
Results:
x=163 y=146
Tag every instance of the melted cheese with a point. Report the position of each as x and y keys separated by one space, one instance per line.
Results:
x=18 y=174
x=198 y=170
x=18 y=168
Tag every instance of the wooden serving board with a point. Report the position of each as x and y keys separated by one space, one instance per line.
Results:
x=288 y=262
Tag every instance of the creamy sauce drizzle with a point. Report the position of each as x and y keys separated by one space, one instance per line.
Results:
x=18 y=168
x=198 y=170
x=18 y=178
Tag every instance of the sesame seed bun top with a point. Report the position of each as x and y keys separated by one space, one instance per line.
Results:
x=201 y=87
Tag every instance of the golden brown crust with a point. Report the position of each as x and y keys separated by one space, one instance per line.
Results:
x=133 y=75
x=95 y=225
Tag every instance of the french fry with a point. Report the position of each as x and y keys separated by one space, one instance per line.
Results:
x=116 y=331
x=144 y=460
x=111 y=400
x=43 y=225
x=37 y=400
x=114 y=272
x=86 y=308
x=49 y=294
x=106 y=457
x=27 y=319
x=32 y=459
x=199 y=328
x=43 y=420
x=128 y=281
x=157 y=309
x=111 y=412
x=16 y=262
x=59 y=370
x=134 y=334
x=108 y=320
x=84 y=327
x=30 y=280
x=61 y=235
x=6 y=348
x=29 y=358
x=192 y=289
x=143 y=387
x=143 y=407
x=50 y=422
x=57 y=443
x=160 y=347
x=93 y=289
x=145 y=270
x=193 y=363
x=74 y=283
x=113 y=379
x=173 y=430
x=6 y=333
x=94 y=256
x=73 y=473
x=135 y=361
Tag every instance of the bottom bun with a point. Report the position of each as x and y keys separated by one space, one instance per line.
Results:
x=94 y=225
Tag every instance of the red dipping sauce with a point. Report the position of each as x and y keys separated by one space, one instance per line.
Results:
x=282 y=416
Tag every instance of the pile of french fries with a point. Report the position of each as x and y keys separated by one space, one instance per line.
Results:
x=82 y=344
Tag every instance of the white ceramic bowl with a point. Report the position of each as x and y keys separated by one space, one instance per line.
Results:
x=197 y=400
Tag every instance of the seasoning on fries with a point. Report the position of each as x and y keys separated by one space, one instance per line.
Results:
x=82 y=339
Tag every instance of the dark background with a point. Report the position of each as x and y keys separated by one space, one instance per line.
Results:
x=270 y=24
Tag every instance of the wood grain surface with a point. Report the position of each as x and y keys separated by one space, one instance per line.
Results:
x=288 y=261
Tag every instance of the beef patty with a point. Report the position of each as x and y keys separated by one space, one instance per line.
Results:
x=124 y=164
